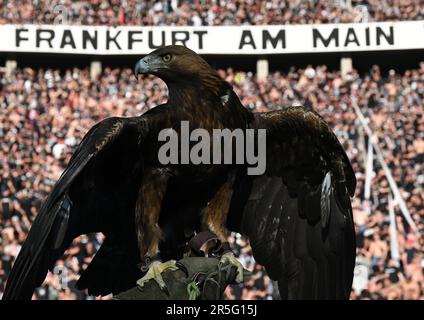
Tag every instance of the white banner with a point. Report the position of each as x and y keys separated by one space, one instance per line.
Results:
x=278 y=39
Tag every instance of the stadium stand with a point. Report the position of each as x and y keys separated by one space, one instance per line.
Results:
x=45 y=112
x=211 y=12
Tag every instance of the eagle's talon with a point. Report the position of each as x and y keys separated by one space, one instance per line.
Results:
x=229 y=258
x=155 y=271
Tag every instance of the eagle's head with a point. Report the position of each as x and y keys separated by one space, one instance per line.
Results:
x=178 y=65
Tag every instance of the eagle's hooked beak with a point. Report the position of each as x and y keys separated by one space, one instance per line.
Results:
x=141 y=67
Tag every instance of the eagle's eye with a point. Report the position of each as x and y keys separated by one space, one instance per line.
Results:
x=166 y=58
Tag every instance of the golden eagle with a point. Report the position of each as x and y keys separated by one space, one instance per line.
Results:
x=297 y=215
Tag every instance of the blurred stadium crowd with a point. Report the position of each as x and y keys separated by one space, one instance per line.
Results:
x=206 y=12
x=45 y=113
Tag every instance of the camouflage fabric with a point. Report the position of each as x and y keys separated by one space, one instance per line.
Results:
x=182 y=285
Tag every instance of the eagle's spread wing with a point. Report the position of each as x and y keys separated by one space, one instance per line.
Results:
x=96 y=193
x=298 y=215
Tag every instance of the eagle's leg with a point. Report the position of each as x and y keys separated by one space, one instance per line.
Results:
x=215 y=218
x=147 y=213
x=214 y=215
x=148 y=230
x=155 y=273
x=229 y=258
